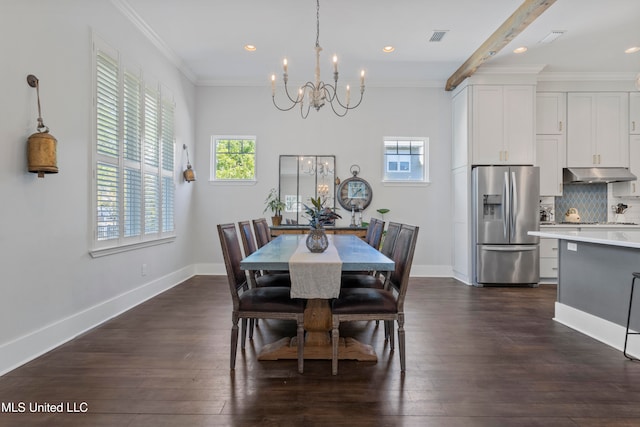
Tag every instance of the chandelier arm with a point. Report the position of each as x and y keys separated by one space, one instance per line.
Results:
x=331 y=93
x=283 y=109
x=295 y=101
x=302 y=114
x=346 y=110
x=354 y=106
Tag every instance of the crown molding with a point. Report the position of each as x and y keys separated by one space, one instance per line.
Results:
x=528 y=69
x=129 y=12
x=585 y=77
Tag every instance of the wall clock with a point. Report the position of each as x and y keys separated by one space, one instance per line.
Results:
x=354 y=193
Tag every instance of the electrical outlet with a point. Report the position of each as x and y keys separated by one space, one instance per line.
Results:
x=143 y=270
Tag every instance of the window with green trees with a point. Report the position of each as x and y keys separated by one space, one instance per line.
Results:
x=233 y=158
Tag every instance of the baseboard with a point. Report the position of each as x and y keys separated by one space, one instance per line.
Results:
x=597 y=328
x=27 y=347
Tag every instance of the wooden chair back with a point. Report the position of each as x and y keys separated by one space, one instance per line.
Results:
x=263 y=233
x=376 y=234
x=390 y=238
x=248 y=241
x=403 y=251
x=232 y=257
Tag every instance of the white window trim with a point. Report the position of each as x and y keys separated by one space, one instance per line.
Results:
x=101 y=248
x=425 y=181
x=212 y=162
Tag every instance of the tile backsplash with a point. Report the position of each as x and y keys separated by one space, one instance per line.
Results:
x=589 y=199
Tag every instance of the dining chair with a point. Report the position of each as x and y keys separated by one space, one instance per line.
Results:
x=259 y=279
x=256 y=303
x=263 y=233
x=372 y=279
x=370 y=228
x=379 y=304
x=375 y=237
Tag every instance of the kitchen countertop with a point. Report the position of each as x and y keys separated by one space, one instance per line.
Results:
x=627 y=238
x=598 y=225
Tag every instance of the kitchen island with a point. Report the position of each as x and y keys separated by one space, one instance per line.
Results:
x=594 y=283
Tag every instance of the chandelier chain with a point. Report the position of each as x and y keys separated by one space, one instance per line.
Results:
x=317 y=23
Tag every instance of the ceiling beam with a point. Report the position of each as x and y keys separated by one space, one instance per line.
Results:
x=514 y=25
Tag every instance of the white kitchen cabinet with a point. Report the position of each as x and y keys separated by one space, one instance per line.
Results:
x=634 y=113
x=630 y=188
x=550 y=157
x=548 y=259
x=502 y=124
x=551 y=113
x=597 y=129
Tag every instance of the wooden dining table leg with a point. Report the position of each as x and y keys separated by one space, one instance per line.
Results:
x=317 y=343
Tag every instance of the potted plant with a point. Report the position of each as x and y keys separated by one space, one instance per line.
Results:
x=319 y=216
x=276 y=205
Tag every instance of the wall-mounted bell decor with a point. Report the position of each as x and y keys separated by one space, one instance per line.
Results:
x=189 y=174
x=41 y=146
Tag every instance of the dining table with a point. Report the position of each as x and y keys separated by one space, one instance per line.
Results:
x=316 y=278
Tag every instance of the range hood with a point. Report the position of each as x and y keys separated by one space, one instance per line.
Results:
x=596 y=175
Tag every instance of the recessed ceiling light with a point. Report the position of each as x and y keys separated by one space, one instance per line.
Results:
x=632 y=49
x=388 y=49
x=249 y=47
x=521 y=49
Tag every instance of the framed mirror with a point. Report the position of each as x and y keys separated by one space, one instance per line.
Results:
x=303 y=177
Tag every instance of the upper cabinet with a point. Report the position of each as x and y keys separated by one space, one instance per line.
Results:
x=551 y=113
x=502 y=124
x=550 y=158
x=634 y=113
x=597 y=129
x=630 y=188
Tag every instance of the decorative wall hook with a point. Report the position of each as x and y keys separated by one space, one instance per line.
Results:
x=41 y=146
x=189 y=174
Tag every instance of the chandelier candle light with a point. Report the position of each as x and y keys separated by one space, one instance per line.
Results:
x=317 y=92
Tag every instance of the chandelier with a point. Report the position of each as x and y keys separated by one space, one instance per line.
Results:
x=317 y=92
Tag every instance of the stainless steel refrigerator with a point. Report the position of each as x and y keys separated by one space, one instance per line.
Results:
x=505 y=207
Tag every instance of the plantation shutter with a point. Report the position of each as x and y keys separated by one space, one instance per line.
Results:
x=108 y=148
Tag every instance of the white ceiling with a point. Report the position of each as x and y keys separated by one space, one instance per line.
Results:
x=206 y=37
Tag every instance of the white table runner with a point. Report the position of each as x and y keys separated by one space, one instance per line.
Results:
x=315 y=275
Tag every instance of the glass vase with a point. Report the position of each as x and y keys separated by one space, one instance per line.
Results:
x=317 y=240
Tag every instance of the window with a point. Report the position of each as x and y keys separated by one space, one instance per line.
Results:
x=233 y=158
x=134 y=155
x=406 y=160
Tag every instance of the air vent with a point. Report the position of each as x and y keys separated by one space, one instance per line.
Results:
x=437 y=35
x=552 y=36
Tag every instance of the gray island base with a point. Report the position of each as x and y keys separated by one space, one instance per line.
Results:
x=594 y=283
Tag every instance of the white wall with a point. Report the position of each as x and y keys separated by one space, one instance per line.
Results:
x=51 y=288
x=355 y=139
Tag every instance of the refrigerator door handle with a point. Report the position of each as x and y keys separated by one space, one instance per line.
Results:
x=514 y=204
x=510 y=248
x=506 y=213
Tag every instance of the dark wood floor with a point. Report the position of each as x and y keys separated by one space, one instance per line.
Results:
x=475 y=357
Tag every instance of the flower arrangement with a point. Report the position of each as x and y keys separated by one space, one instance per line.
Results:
x=318 y=214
